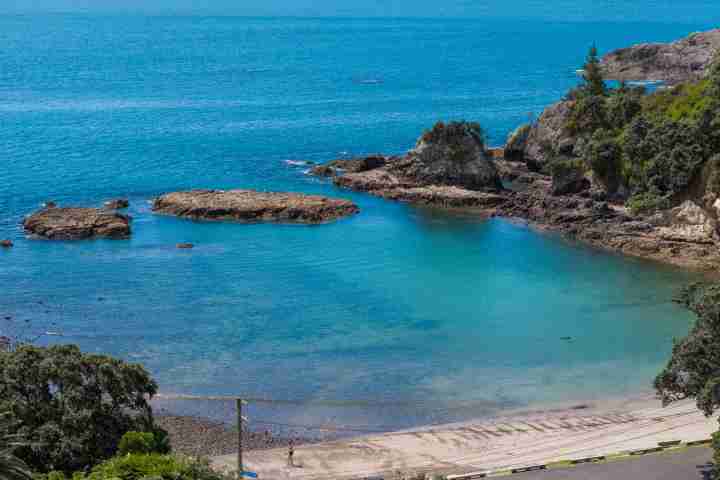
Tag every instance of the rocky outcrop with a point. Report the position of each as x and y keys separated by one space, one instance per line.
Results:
x=516 y=143
x=451 y=155
x=117 y=204
x=353 y=165
x=449 y=167
x=679 y=61
x=549 y=136
x=569 y=179
x=252 y=206
x=70 y=223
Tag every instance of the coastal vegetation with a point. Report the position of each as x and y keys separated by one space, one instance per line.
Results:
x=693 y=370
x=70 y=414
x=643 y=148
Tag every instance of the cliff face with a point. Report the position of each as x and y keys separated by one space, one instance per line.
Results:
x=680 y=61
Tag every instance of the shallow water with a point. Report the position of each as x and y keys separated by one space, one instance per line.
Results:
x=450 y=315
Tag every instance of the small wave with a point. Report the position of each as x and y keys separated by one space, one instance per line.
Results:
x=299 y=163
x=369 y=81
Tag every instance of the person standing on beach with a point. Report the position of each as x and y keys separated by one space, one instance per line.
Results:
x=291 y=453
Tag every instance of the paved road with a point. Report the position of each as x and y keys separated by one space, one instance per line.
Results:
x=690 y=464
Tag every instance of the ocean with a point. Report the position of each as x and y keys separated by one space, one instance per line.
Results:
x=409 y=315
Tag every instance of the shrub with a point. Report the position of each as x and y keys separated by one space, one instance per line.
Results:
x=72 y=408
x=604 y=156
x=143 y=466
x=451 y=132
x=136 y=442
x=647 y=203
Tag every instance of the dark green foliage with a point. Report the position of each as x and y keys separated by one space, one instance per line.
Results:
x=11 y=467
x=453 y=131
x=144 y=442
x=647 y=202
x=136 y=442
x=623 y=106
x=145 y=466
x=72 y=408
x=588 y=114
x=592 y=74
x=694 y=368
x=604 y=156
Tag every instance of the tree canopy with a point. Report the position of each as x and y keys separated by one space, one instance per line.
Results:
x=72 y=408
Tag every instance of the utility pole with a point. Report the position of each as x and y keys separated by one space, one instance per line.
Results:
x=238 y=407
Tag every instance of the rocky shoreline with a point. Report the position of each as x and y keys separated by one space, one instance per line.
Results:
x=200 y=437
x=684 y=236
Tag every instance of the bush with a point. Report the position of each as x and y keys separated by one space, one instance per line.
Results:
x=453 y=131
x=144 y=442
x=143 y=466
x=604 y=156
x=647 y=203
x=72 y=408
x=136 y=442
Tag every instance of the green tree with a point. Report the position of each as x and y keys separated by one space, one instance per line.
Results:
x=72 y=408
x=694 y=367
x=592 y=74
x=11 y=467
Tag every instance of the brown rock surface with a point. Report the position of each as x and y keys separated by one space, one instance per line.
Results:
x=679 y=61
x=252 y=206
x=70 y=223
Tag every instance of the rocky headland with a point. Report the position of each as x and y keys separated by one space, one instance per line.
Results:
x=680 y=61
x=248 y=206
x=72 y=223
x=572 y=173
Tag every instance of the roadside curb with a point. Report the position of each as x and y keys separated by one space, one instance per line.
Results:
x=570 y=463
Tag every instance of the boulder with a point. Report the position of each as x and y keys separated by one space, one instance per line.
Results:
x=453 y=155
x=548 y=135
x=567 y=181
x=251 y=206
x=516 y=142
x=70 y=223
x=680 y=61
x=117 y=204
x=353 y=165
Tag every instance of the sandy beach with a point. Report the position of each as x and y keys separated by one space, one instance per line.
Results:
x=515 y=441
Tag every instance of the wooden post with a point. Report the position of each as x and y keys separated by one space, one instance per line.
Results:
x=240 y=439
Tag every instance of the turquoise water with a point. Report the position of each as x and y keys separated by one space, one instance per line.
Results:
x=454 y=315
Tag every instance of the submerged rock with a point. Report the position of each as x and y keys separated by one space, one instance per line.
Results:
x=117 y=204
x=6 y=243
x=680 y=61
x=72 y=223
x=252 y=206
x=185 y=246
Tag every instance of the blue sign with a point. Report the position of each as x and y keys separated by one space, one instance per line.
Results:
x=250 y=474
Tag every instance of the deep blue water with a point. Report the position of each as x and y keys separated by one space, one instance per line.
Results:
x=397 y=304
